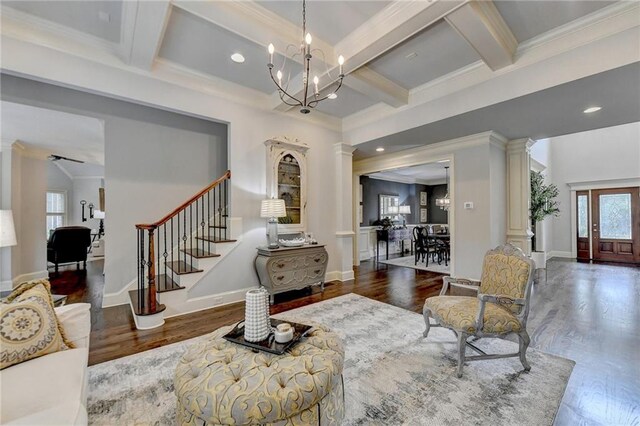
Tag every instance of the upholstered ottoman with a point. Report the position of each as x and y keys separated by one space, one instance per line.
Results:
x=221 y=383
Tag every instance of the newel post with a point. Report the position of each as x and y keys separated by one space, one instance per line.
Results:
x=152 y=272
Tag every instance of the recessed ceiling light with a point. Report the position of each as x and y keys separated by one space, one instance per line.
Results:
x=411 y=55
x=332 y=96
x=237 y=57
x=592 y=109
x=380 y=149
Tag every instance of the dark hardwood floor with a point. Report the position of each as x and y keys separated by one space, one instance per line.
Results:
x=586 y=312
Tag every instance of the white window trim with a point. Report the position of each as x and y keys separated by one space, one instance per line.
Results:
x=66 y=206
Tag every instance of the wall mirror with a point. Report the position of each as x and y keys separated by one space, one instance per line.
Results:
x=389 y=205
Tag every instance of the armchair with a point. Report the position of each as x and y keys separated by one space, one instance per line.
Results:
x=500 y=309
x=69 y=244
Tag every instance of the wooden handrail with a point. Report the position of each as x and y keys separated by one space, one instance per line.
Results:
x=184 y=205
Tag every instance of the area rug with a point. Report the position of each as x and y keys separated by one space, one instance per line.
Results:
x=392 y=375
x=409 y=262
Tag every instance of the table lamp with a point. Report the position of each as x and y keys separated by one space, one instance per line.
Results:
x=7 y=230
x=273 y=209
x=403 y=210
x=99 y=214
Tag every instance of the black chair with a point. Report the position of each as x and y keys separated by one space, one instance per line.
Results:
x=69 y=244
x=420 y=238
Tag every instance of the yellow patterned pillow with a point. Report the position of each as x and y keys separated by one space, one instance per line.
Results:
x=29 y=327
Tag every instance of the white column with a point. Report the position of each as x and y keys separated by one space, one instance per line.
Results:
x=344 y=209
x=519 y=193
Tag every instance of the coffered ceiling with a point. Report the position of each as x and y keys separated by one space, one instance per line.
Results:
x=329 y=20
x=395 y=50
x=531 y=18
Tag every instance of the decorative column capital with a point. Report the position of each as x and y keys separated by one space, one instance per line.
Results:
x=343 y=148
x=523 y=144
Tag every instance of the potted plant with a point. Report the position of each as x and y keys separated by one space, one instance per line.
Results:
x=543 y=204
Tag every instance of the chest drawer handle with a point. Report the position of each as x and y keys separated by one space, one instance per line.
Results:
x=280 y=264
x=280 y=277
x=317 y=271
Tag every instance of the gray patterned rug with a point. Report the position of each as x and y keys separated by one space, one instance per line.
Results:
x=392 y=375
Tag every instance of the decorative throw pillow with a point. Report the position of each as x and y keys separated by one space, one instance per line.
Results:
x=29 y=327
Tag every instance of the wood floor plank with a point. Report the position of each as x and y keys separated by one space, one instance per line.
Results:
x=588 y=313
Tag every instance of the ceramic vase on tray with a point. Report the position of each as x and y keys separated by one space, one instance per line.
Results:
x=257 y=325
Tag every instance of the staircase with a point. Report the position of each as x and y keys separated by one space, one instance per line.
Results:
x=175 y=252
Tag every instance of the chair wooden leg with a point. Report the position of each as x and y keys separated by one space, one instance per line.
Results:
x=524 y=344
x=462 y=344
x=426 y=313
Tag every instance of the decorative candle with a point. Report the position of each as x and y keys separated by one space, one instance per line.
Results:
x=271 y=50
x=341 y=62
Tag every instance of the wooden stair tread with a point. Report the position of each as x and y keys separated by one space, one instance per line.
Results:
x=212 y=239
x=144 y=308
x=200 y=254
x=164 y=283
x=180 y=267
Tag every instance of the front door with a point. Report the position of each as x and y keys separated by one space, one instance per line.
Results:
x=616 y=224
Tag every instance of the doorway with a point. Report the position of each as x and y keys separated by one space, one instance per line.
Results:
x=608 y=224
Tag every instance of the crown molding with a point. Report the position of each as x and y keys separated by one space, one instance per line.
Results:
x=401 y=19
x=62 y=169
x=425 y=154
x=87 y=177
x=608 y=22
x=32 y=21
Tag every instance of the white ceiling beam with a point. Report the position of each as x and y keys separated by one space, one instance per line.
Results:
x=385 y=30
x=482 y=26
x=253 y=22
x=374 y=85
x=149 y=27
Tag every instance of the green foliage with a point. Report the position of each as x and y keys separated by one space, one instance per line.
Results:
x=543 y=196
x=385 y=223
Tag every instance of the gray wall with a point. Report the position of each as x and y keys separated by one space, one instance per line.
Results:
x=408 y=194
x=154 y=160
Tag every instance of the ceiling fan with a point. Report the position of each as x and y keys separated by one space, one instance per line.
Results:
x=54 y=157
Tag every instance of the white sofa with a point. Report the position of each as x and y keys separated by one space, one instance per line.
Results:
x=51 y=389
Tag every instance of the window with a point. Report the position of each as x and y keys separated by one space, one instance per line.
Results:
x=56 y=210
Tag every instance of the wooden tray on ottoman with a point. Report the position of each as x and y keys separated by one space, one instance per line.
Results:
x=269 y=344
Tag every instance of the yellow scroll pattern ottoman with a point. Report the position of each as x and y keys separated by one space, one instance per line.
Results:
x=221 y=383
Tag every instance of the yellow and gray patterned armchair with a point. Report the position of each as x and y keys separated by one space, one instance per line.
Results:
x=499 y=310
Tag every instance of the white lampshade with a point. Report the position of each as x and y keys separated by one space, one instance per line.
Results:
x=7 y=230
x=273 y=208
x=404 y=209
x=98 y=214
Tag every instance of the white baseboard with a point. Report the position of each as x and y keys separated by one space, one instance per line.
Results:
x=339 y=276
x=563 y=254
x=211 y=301
x=121 y=297
x=10 y=285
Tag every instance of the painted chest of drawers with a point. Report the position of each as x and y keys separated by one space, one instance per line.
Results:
x=291 y=268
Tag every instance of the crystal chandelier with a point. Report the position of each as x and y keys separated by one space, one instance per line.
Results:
x=445 y=202
x=303 y=54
